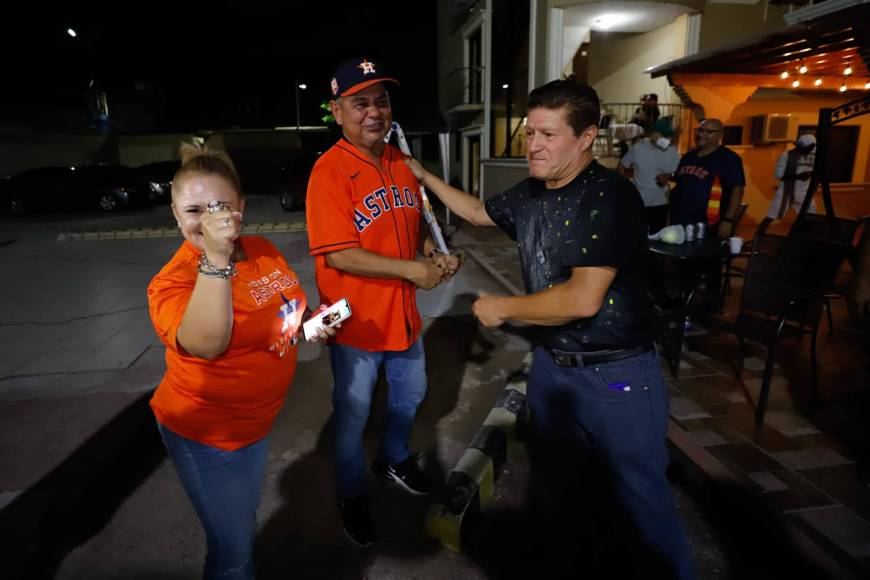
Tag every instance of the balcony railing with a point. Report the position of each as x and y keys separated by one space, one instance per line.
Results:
x=620 y=123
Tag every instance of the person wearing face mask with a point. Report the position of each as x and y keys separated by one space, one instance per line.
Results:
x=228 y=309
x=649 y=164
x=794 y=169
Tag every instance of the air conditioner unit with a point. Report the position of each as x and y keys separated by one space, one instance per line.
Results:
x=774 y=128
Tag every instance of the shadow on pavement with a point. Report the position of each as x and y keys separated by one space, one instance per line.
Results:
x=754 y=537
x=304 y=538
x=77 y=499
x=756 y=544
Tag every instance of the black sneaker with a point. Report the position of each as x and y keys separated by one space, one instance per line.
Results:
x=357 y=517
x=406 y=473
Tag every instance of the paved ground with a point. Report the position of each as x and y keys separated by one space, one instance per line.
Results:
x=86 y=489
x=790 y=496
x=84 y=482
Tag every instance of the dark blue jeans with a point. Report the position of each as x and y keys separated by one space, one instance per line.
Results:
x=355 y=372
x=224 y=488
x=598 y=456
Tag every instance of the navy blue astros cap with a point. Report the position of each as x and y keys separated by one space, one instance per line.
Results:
x=355 y=74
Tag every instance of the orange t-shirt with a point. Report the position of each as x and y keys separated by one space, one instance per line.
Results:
x=353 y=203
x=232 y=400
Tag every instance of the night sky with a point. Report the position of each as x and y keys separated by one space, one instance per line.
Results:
x=218 y=66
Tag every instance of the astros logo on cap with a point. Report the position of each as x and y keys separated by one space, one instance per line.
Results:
x=367 y=67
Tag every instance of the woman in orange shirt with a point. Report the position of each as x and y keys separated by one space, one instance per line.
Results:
x=228 y=309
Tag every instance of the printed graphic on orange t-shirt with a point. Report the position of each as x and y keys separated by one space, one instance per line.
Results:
x=232 y=400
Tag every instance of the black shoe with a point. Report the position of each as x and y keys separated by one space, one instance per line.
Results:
x=357 y=517
x=406 y=473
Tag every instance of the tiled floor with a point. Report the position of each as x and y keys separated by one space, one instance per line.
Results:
x=805 y=460
x=809 y=476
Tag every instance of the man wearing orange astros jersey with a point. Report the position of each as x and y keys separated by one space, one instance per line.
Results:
x=364 y=229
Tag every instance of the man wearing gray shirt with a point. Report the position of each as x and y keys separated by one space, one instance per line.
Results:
x=649 y=163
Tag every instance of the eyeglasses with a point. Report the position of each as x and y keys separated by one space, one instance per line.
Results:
x=707 y=131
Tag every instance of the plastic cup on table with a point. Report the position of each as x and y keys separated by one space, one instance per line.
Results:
x=735 y=244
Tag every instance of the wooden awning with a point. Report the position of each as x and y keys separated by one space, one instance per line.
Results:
x=826 y=46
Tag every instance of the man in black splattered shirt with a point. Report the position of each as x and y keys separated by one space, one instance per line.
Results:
x=596 y=394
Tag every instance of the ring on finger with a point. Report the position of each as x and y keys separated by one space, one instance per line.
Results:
x=215 y=206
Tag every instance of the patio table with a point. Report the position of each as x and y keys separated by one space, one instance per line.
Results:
x=691 y=261
x=700 y=251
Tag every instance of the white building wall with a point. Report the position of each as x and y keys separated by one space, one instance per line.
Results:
x=617 y=62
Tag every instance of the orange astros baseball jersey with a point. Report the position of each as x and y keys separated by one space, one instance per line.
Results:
x=353 y=203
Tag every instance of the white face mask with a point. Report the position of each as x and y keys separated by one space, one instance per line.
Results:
x=663 y=143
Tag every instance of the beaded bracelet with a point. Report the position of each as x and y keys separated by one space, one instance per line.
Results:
x=209 y=270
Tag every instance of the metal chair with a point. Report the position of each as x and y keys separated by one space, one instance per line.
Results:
x=813 y=226
x=782 y=298
x=729 y=268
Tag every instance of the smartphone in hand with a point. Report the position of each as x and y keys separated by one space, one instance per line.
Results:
x=336 y=313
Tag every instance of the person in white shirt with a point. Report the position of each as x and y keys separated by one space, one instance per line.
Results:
x=794 y=169
x=649 y=164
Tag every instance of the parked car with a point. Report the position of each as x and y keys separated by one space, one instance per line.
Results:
x=105 y=187
x=293 y=181
x=160 y=175
x=117 y=186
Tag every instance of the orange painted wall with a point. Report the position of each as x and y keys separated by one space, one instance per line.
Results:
x=732 y=106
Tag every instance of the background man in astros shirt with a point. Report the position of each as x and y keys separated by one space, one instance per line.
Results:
x=364 y=229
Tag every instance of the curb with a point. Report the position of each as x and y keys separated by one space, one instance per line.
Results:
x=472 y=481
x=168 y=232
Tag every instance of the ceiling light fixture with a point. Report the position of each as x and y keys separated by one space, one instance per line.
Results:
x=611 y=20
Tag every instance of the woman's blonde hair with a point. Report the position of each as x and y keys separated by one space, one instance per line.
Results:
x=199 y=159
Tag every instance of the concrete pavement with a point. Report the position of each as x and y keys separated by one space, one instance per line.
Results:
x=84 y=483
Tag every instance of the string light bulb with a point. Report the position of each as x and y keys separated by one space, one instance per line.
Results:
x=817 y=82
x=848 y=71
x=803 y=69
x=843 y=87
x=784 y=74
x=796 y=83
x=867 y=86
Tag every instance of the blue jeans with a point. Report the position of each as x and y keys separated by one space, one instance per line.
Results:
x=224 y=488
x=598 y=454
x=354 y=373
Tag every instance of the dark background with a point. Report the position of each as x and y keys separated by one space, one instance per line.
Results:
x=182 y=67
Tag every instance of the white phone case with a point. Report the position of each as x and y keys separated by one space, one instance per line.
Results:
x=336 y=313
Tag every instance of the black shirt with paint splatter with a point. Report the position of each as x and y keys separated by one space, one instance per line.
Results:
x=596 y=220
